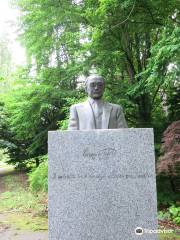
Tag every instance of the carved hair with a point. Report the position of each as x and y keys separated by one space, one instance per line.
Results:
x=94 y=76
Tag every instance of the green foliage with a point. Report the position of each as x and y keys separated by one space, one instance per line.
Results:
x=128 y=41
x=55 y=24
x=36 y=100
x=165 y=52
x=175 y=214
x=173 y=103
x=34 y=107
x=172 y=213
x=63 y=125
x=166 y=199
x=38 y=178
x=4 y=156
x=164 y=215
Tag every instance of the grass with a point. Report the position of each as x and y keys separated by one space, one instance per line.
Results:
x=170 y=236
x=23 y=201
x=25 y=221
x=22 y=208
x=15 y=182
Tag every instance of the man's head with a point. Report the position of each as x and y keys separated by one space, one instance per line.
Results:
x=95 y=86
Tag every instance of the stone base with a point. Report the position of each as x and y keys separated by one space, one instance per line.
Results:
x=102 y=185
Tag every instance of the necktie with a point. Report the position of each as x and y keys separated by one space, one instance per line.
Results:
x=97 y=108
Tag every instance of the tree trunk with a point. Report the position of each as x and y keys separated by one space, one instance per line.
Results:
x=37 y=162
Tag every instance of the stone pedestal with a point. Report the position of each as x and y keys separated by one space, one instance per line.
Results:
x=102 y=185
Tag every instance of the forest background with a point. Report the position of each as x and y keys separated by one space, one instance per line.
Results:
x=133 y=44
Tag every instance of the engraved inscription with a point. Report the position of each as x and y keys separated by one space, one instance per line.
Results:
x=120 y=176
x=103 y=153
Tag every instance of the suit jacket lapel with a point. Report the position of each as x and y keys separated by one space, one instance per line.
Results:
x=89 y=115
x=107 y=108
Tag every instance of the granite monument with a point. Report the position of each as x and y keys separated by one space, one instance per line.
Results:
x=102 y=185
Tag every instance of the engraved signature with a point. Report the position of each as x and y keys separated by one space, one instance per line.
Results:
x=105 y=152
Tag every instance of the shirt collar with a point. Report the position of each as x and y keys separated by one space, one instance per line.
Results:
x=98 y=101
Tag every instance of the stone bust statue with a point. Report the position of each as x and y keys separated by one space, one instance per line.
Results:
x=95 y=113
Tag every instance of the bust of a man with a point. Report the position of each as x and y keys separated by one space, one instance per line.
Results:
x=95 y=113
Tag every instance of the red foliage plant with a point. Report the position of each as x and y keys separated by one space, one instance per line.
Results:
x=169 y=162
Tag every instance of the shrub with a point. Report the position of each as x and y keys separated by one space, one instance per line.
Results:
x=169 y=162
x=175 y=214
x=165 y=195
x=38 y=178
x=172 y=213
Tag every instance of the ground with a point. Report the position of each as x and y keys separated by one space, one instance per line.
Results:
x=23 y=215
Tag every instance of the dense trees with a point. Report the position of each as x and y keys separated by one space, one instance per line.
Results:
x=129 y=46
x=134 y=44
